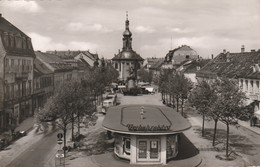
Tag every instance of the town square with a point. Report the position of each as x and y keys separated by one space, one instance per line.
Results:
x=111 y=83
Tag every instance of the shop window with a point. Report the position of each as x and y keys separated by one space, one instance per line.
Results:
x=127 y=145
x=154 y=149
x=142 y=149
x=171 y=146
x=117 y=144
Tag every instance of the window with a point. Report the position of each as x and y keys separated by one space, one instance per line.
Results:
x=7 y=92
x=257 y=86
x=127 y=145
x=12 y=91
x=12 y=43
x=246 y=85
x=23 y=88
x=6 y=39
x=142 y=149
x=12 y=63
x=116 y=66
x=251 y=86
x=18 y=42
x=7 y=64
x=16 y=90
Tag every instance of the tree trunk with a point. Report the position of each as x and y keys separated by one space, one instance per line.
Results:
x=215 y=131
x=78 y=123
x=64 y=140
x=182 y=102
x=72 y=127
x=227 y=140
x=203 y=124
x=177 y=101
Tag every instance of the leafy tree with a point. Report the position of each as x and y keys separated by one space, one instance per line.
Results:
x=64 y=106
x=229 y=103
x=180 y=88
x=145 y=75
x=201 y=97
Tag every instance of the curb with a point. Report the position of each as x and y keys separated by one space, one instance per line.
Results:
x=258 y=133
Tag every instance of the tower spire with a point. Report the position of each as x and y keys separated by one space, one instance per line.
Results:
x=126 y=15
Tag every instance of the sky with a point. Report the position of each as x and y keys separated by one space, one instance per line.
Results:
x=207 y=26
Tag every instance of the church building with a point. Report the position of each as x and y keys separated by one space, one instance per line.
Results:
x=127 y=61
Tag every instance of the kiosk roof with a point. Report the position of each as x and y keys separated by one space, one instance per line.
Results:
x=144 y=120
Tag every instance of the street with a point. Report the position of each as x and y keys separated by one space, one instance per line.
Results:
x=38 y=154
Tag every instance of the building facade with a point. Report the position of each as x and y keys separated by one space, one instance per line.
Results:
x=176 y=56
x=61 y=70
x=43 y=84
x=16 y=75
x=243 y=66
x=127 y=61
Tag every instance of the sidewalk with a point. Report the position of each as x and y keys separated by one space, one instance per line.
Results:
x=26 y=125
x=246 y=124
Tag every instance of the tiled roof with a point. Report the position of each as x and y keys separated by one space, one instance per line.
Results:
x=192 y=66
x=232 y=65
x=158 y=64
x=6 y=26
x=53 y=60
x=71 y=54
x=41 y=67
x=7 y=30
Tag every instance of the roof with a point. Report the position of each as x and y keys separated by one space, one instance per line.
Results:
x=40 y=68
x=180 y=54
x=54 y=61
x=191 y=66
x=157 y=120
x=7 y=29
x=71 y=54
x=232 y=65
x=6 y=26
x=158 y=64
x=128 y=55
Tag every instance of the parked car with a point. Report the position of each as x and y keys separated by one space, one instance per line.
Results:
x=150 y=89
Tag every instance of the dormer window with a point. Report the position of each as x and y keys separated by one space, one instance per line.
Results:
x=198 y=67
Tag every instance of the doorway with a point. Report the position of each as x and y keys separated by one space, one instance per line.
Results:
x=148 y=150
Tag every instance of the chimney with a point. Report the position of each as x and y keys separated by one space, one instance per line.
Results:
x=0 y=14
x=242 y=48
x=224 y=51
x=212 y=56
x=118 y=50
x=228 y=57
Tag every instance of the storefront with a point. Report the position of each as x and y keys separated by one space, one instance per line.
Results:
x=145 y=134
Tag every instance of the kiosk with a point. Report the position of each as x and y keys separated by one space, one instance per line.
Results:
x=145 y=134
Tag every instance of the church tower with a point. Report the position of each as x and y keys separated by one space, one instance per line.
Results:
x=127 y=61
x=127 y=36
